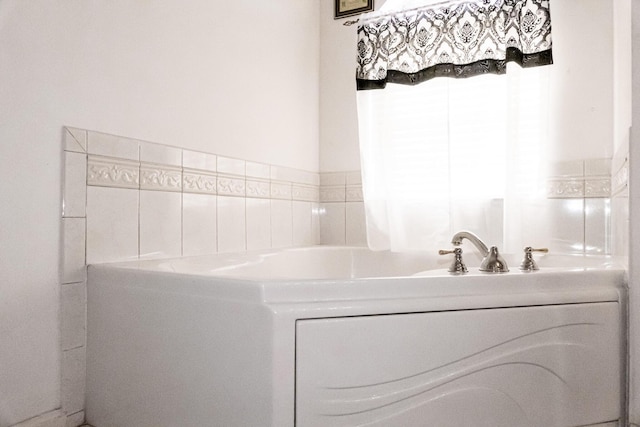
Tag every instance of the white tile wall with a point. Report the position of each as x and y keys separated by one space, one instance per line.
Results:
x=302 y=217
x=74 y=191
x=112 y=224
x=73 y=302
x=342 y=219
x=597 y=226
x=199 y=231
x=258 y=224
x=232 y=232
x=160 y=224
x=281 y=223
x=620 y=202
x=580 y=214
x=73 y=255
x=356 y=233
x=333 y=222
x=73 y=380
x=128 y=199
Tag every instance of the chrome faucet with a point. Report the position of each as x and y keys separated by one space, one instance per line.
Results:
x=492 y=261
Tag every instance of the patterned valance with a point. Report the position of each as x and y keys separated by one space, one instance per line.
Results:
x=453 y=39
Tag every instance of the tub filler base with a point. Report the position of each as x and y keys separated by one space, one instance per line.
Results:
x=171 y=344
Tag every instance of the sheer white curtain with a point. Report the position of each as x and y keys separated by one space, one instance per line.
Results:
x=452 y=154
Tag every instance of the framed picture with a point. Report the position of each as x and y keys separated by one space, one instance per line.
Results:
x=351 y=7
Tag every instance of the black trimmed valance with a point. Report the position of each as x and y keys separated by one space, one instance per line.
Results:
x=454 y=39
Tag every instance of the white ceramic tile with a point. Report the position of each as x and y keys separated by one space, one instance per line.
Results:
x=597 y=229
x=566 y=225
x=333 y=178
x=307 y=193
x=73 y=380
x=281 y=190
x=355 y=228
x=308 y=178
x=75 y=420
x=565 y=188
x=574 y=168
x=231 y=224
x=73 y=303
x=231 y=185
x=281 y=223
x=160 y=177
x=111 y=172
x=73 y=256
x=258 y=170
x=620 y=226
x=302 y=220
x=199 y=181
x=258 y=188
x=160 y=224
x=160 y=154
x=620 y=157
x=354 y=178
x=315 y=223
x=112 y=146
x=231 y=166
x=75 y=140
x=75 y=185
x=199 y=234
x=597 y=167
x=298 y=176
x=280 y=173
x=198 y=160
x=597 y=187
x=353 y=193
x=258 y=224
x=112 y=224
x=620 y=180
x=333 y=193
x=332 y=223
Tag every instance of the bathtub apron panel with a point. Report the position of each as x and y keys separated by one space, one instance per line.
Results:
x=535 y=366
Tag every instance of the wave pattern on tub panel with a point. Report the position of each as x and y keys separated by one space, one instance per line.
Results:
x=535 y=366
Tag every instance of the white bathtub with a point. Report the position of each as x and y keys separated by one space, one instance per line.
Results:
x=328 y=336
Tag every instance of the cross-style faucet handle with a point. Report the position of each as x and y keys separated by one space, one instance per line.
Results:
x=457 y=266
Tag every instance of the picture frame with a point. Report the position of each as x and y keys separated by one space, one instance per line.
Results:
x=344 y=8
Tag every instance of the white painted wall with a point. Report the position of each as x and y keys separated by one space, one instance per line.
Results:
x=622 y=73
x=634 y=223
x=164 y=71
x=581 y=84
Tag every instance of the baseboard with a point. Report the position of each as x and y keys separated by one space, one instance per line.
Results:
x=55 y=418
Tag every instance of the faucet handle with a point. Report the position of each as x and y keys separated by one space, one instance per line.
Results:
x=457 y=266
x=528 y=263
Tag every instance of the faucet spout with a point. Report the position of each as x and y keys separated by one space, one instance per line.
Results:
x=457 y=238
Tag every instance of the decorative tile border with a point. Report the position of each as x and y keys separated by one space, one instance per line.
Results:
x=600 y=187
x=338 y=187
x=260 y=189
x=160 y=177
x=231 y=185
x=111 y=172
x=199 y=181
x=306 y=193
x=580 y=179
x=280 y=190
x=201 y=173
x=565 y=188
